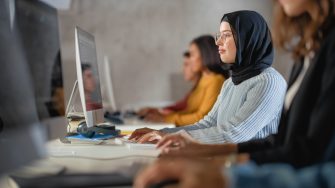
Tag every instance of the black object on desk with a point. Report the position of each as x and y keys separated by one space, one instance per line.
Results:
x=114 y=118
x=1 y=125
x=89 y=132
x=75 y=180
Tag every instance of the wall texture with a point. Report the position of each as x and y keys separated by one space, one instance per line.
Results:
x=144 y=41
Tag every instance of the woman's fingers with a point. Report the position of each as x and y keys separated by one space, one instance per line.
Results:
x=164 y=145
x=135 y=134
x=175 y=151
x=173 y=140
x=150 y=137
x=139 y=132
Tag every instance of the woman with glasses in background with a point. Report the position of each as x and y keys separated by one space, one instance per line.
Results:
x=202 y=67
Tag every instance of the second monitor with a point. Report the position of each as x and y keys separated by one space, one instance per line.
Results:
x=88 y=77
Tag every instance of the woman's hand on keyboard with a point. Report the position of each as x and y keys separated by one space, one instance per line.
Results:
x=180 y=144
x=151 y=137
x=138 y=133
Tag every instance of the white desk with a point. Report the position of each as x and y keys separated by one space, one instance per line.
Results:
x=106 y=158
x=87 y=159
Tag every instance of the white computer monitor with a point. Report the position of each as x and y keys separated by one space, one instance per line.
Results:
x=88 y=77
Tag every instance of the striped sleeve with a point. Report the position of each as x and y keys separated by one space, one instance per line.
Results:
x=208 y=121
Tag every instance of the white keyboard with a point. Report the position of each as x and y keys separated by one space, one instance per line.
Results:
x=134 y=145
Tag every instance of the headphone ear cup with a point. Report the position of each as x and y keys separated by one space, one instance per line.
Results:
x=84 y=130
x=89 y=134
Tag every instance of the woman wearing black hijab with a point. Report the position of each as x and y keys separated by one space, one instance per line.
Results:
x=250 y=102
x=307 y=124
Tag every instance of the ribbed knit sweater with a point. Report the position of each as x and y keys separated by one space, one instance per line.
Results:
x=249 y=110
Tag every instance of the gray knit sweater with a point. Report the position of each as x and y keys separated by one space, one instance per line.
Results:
x=250 y=110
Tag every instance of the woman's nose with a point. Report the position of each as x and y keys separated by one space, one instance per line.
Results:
x=219 y=42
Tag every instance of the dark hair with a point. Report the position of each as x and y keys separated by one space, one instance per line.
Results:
x=186 y=54
x=225 y=19
x=286 y=29
x=209 y=54
x=85 y=66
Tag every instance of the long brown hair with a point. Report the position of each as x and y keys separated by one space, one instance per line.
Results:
x=301 y=35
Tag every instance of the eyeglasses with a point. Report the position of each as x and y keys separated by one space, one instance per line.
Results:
x=222 y=36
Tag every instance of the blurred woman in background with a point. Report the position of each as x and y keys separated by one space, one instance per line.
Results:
x=189 y=76
x=201 y=66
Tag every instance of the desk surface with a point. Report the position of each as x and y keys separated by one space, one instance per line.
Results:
x=87 y=158
x=107 y=157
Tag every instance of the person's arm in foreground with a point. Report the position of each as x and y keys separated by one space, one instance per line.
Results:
x=309 y=148
x=182 y=144
x=185 y=173
x=188 y=173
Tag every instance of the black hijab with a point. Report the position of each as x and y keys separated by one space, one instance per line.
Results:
x=253 y=42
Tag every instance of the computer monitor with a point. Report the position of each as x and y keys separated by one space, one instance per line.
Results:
x=88 y=77
x=22 y=139
x=36 y=24
x=109 y=85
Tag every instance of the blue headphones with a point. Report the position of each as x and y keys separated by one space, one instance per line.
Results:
x=90 y=132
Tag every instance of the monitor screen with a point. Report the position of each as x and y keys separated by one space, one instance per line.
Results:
x=88 y=77
x=89 y=69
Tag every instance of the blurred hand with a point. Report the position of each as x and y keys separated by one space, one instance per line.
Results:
x=185 y=172
x=154 y=117
x=182 y=144
x=145 y=111
x=138 y=133
x=151 y=137
x=166 y=111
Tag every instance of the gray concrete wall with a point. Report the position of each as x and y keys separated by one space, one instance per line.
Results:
x=144 y=41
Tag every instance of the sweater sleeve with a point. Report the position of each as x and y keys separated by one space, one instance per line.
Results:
x=257 y=145
x=268 y=142
x=207 y=102
x=209 y=120
x=179 y=105
x=263 y=102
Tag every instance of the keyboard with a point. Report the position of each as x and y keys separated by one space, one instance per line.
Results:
x=134 y=145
